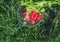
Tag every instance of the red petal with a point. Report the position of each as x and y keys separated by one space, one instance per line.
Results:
x=38 y=17
x=35 y=15
x=33 y=12
x=31 y=20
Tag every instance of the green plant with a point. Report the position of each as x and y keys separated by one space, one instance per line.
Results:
x=11 y=21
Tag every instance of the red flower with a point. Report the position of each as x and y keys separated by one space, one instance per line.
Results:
x=32 y=16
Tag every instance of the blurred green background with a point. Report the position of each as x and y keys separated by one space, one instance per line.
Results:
x=12 y=29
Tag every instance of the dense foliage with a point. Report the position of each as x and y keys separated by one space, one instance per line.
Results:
x=13 y=28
